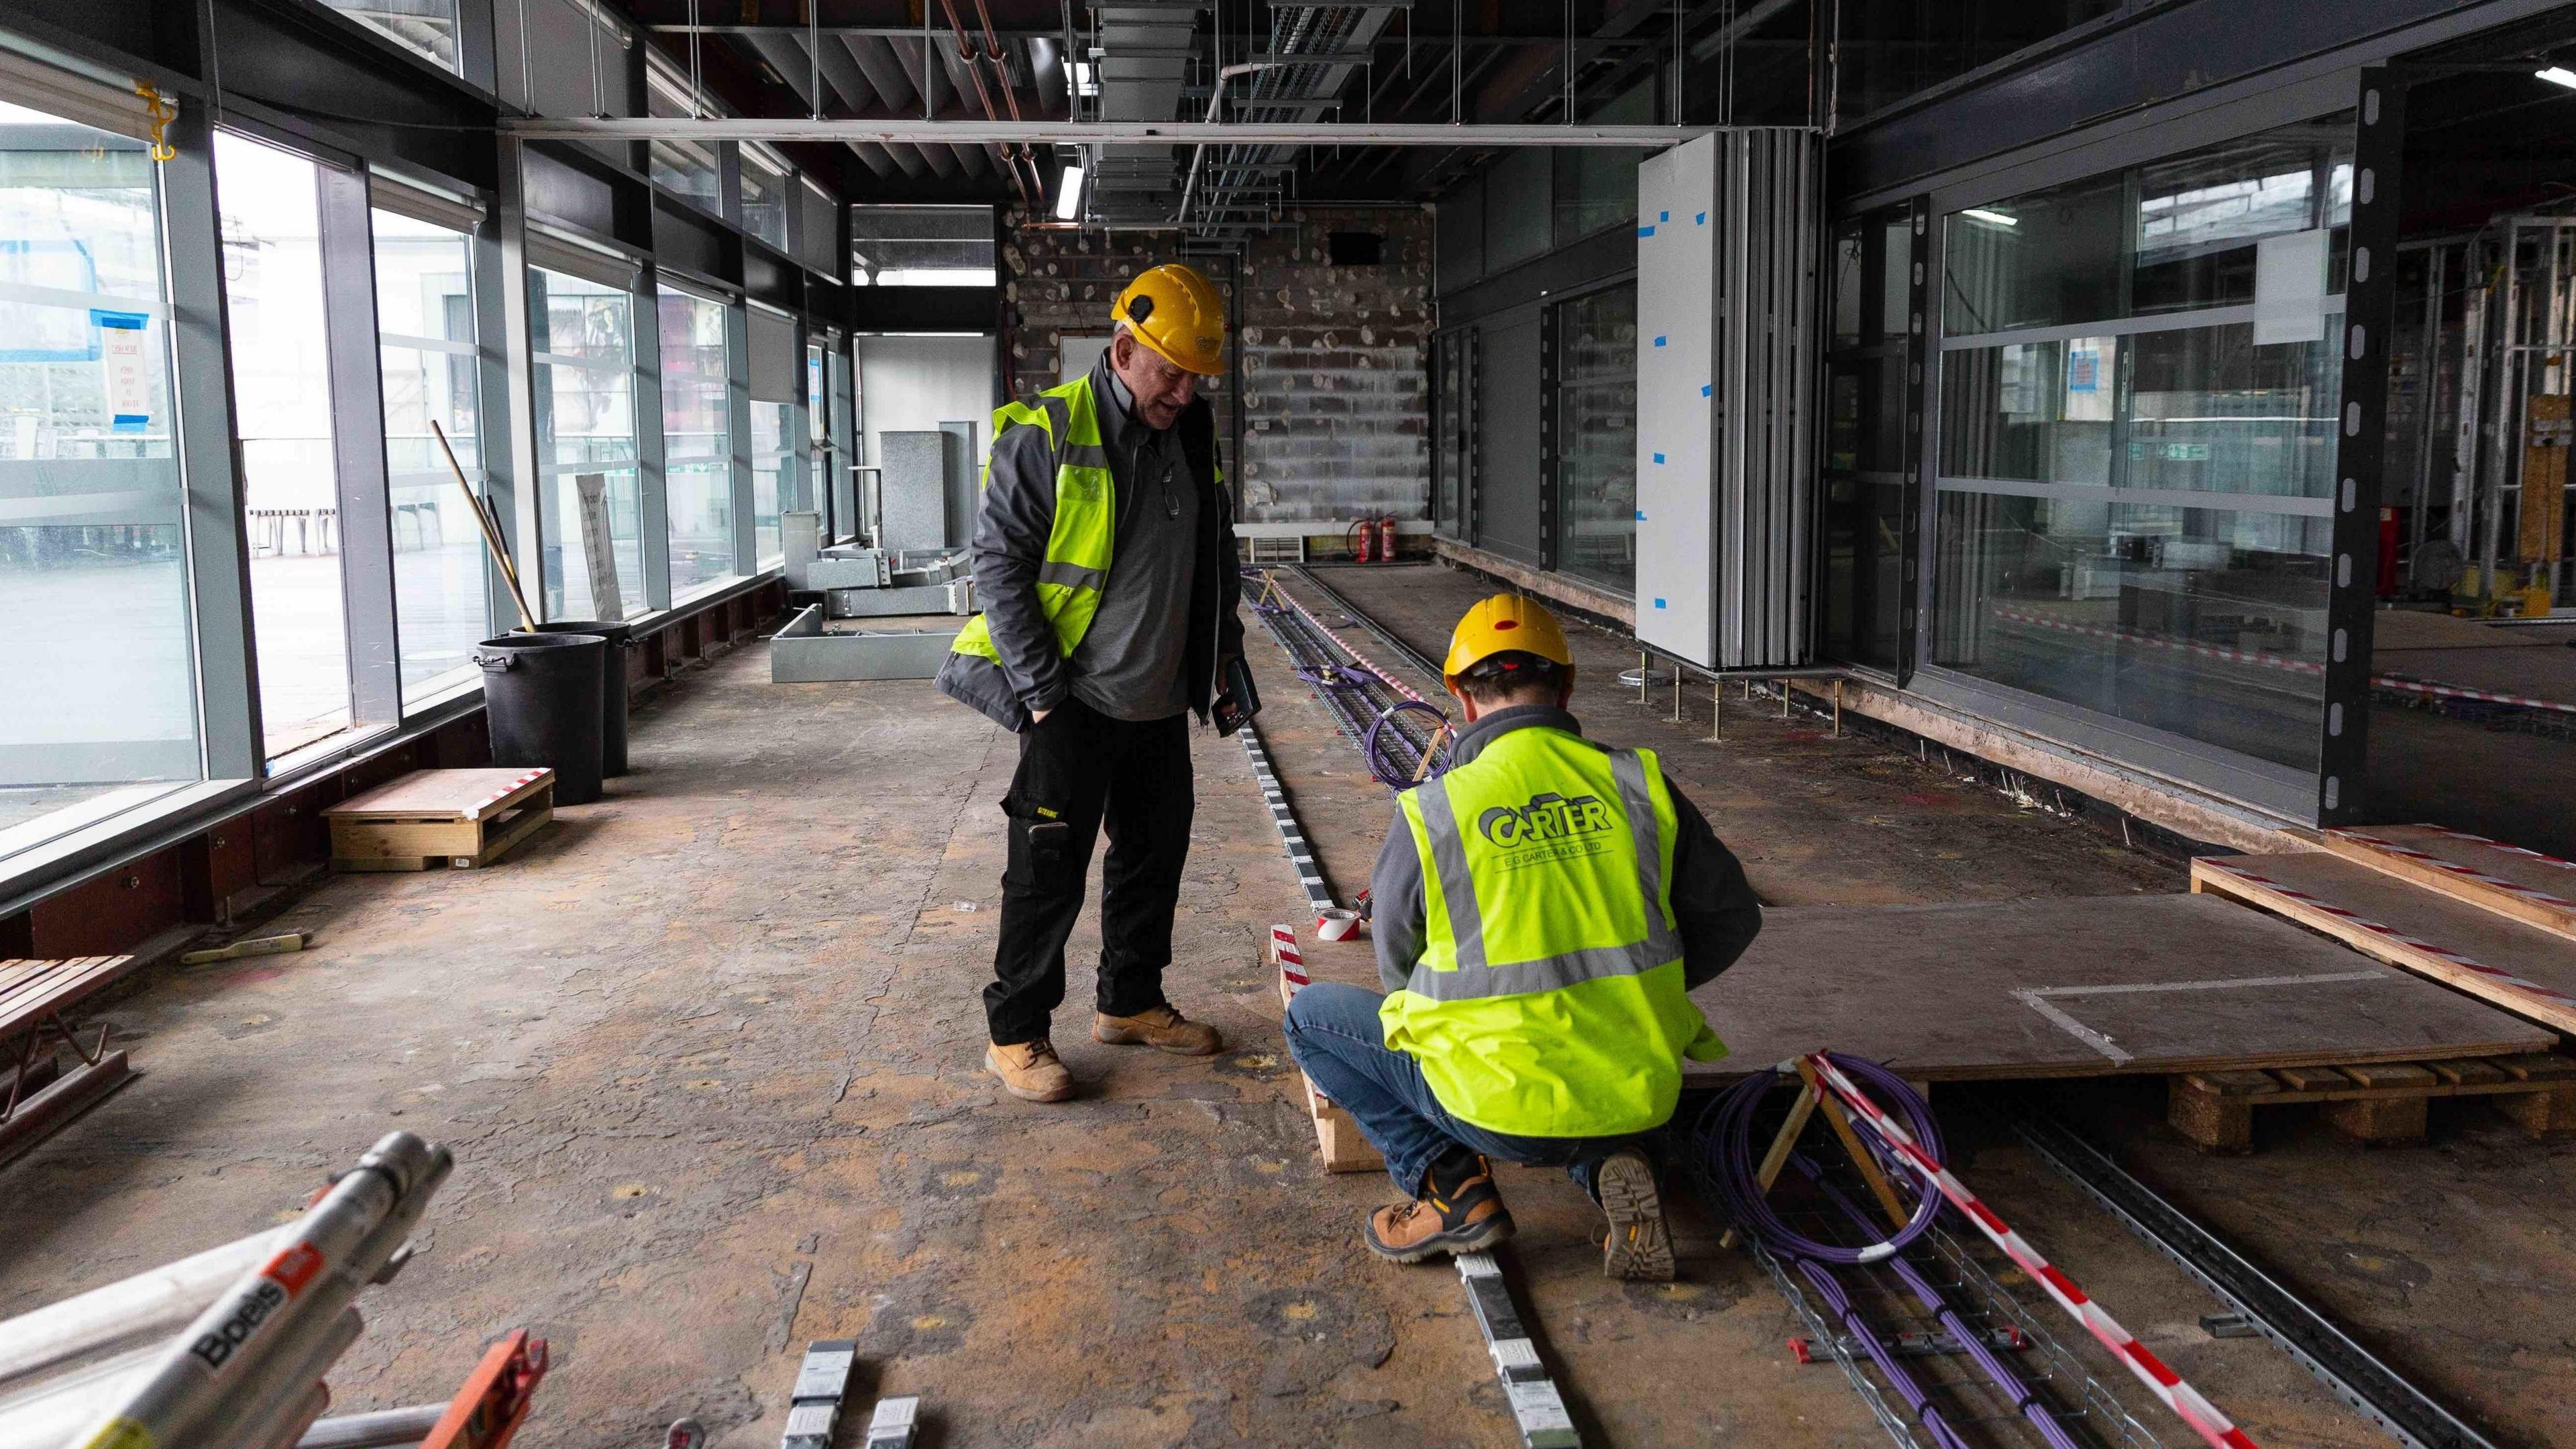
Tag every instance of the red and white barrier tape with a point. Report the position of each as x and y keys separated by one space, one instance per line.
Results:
x=2453 y=867
x=2284 y=662
x=475 y=810
x=2186 y=1401
x=1398 y=685
x=2493 y=844
x=2502 y=978
x=1292 y=971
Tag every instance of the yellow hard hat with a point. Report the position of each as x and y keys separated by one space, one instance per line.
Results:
x=1504 y=623
x=1177 y=313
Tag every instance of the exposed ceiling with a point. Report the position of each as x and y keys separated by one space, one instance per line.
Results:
x=1436 y=62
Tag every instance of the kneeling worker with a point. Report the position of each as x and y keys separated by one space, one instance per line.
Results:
x=1542 y=911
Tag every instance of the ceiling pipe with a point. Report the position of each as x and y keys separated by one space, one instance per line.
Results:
x=1000 y=61
x=971 y=132
x=970 y=59
x=1216 y=98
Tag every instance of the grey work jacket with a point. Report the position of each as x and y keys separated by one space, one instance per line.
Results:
x=1011 y=529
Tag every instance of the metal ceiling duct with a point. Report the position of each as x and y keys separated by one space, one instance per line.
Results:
x=1143 y=61
x=1240 y=184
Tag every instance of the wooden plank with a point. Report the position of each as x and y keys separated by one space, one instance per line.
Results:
x=2313 y=1079
x=509 y=831
x=2401 y=1075
x=2469 y=1073
x=2236 y=1083
x=1954 y=993
x=452 y=794
x=2520 y=968
x=2537 y=1067
x=2536 y=890
x=68 y=983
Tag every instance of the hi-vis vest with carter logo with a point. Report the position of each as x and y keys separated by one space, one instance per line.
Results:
x=1549 y=998
x=1086 y=515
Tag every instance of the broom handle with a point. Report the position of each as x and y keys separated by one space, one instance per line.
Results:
x=491 y=532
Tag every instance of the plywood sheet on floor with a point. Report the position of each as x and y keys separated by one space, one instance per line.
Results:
x=2080 y=987
x=2539 y=671
x=2397 y=629
x=2518 y=967
x=2532 y=888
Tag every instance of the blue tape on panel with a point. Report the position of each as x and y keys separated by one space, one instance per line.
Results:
x=1641 y=515
x=1703 y=389
x=1659 y=603
x=1703 y=218
x=1663 y=216
x=1659 y=342
x=1659 y=457
x=1645 y=231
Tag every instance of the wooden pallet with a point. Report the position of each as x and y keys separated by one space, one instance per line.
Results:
x=1337 y=1137
x=40 y=999
x=2523 y=885
x=2378 y=1103
x=2498 y=959
x=461 y=818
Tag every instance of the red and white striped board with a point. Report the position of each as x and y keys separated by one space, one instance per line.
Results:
x=1337 y=1137
x=2187 y=1402
x=2232 y=875
x=2488 y=874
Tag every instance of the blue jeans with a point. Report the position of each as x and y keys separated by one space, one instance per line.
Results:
x=1334 y=1034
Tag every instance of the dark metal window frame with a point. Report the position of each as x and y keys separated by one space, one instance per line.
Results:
x=2194 y=124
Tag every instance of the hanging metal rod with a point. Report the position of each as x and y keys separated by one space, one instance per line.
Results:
x=1071 y=133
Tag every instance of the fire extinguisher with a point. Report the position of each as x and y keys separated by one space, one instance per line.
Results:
x=1361 y=536
x=1386 y=539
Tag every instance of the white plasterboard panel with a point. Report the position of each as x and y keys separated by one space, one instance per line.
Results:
x=1676 y=362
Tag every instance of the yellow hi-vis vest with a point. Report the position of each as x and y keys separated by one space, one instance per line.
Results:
x=1549 y=1001
x=1076 y=567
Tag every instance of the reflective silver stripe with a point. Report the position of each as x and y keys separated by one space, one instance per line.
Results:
x=1072 y=576
x=1525 y=978
x=1628 y=768
x=1084 y=455
x=1475 y=978
x=1457 y=887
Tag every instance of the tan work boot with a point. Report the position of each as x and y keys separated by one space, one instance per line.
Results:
x=1638 y=1248
x=1161 y=1028
x=1030 y=1071
x=1460 y=1211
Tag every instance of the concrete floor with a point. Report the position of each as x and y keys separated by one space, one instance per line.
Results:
x=708 y=1054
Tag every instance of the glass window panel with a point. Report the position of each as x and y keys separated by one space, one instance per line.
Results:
x=764 y=200
x=2175 y=235
x=425 y=297
x=426 y=27
x=98 y=645
x=1850 y=249
x=2205 y=622
x=1596 y=186
x=585 y=397
x=696 y=440
x=921 y=246
x=1517 y=230
x=1596 y=402
x=773 y=468
x=281 y=371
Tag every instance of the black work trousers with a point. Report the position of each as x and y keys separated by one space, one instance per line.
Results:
x=1080 y=769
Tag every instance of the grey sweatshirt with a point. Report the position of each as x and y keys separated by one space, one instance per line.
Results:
x=1714 y=908
x=1141 y=609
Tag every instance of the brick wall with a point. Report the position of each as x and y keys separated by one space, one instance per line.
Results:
x=1331 y=362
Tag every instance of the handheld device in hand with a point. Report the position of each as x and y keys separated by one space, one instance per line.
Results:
x=1237 y=701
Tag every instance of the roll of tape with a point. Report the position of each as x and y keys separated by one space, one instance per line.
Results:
x=1336 y=924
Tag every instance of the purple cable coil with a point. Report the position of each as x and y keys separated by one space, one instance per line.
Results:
x=1727 y=1157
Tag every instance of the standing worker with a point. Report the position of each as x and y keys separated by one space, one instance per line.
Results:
x=1543 y=910
x=1105 y=559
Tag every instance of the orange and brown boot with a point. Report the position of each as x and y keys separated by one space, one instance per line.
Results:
x=1030 y=1070
x=1162 y=1028
x=1460 y=1211
x=1638 y=1248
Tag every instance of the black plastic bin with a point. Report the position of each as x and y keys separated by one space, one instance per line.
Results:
x=541 y=697
x=612 y=714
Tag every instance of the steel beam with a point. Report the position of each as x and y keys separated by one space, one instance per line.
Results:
x=1080 y=133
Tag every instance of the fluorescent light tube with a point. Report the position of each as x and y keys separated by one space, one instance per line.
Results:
x=1068 y=194
x=2558 y=75
x=1997 y=217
